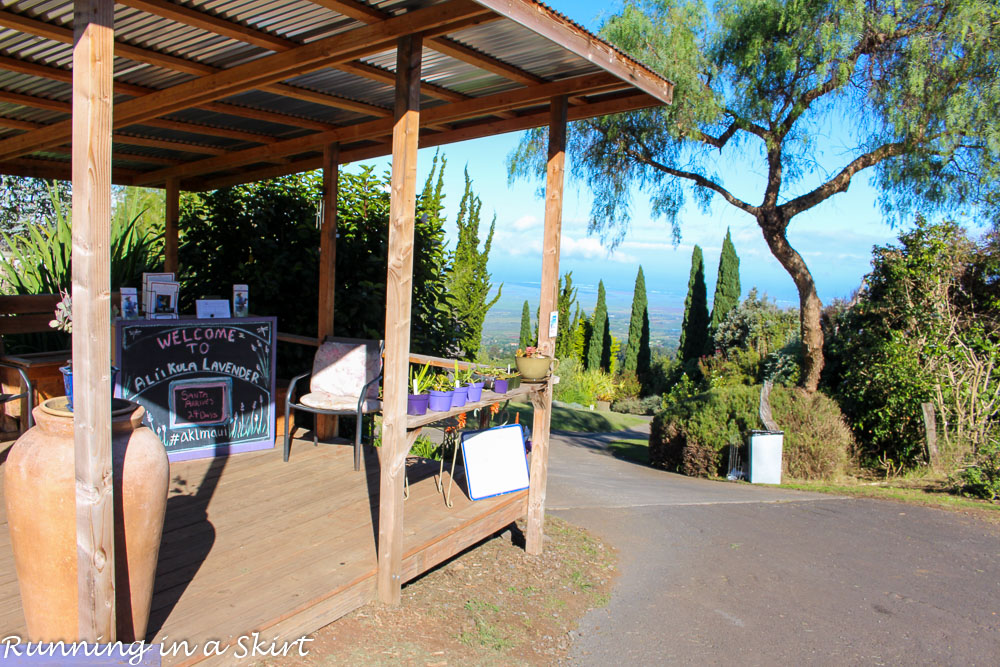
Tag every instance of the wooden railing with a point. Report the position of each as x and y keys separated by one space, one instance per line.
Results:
x=437 y=362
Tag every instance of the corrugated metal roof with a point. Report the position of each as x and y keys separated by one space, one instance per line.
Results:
x=495 y=57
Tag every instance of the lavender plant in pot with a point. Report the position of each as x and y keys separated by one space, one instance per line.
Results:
x=440 y=393
x=416 y=403
x=466 y=378
x=63 y=321
x=460 y=394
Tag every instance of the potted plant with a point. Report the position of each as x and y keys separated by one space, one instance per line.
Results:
x=63 y=321
x=441 y=389
x=605 y=391
x=460 y=393
x=504 y=380
x=532 y=364
x=416 y=402
x=474 y=387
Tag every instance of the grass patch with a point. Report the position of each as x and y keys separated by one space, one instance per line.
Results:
x=929 y=494
x=631 y=450
x=486 y=634
x=581 y=421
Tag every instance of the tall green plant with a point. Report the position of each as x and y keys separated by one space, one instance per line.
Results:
x=39 y=260
x=469 y=281
x=599 y=346
x=524 y=340
x=637 y=353
x=727 y=285
x=567 y=327
x=694 y=331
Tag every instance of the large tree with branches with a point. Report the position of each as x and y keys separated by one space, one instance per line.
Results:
x=910 y=88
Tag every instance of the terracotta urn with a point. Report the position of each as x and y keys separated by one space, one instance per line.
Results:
x=39 y=490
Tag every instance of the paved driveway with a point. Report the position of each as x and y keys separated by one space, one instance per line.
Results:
x=716 y=572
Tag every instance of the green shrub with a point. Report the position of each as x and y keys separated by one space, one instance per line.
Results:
x=583 y=387
x=689 y=434
x=981 y=477
x=634 y=406
x=629 y=385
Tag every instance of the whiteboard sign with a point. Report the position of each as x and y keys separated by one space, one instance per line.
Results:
x=553 y=323
x=495 y=461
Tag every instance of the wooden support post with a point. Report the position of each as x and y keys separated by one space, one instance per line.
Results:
x=93 y=61
x=170 y=232
x=930 y=429
x=548 y=303
x=326 y=426
x=398 y=297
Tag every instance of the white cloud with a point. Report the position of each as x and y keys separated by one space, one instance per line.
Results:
x=526 y=222
x=591 y=248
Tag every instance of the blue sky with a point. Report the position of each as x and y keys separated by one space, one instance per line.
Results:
x=835 y=239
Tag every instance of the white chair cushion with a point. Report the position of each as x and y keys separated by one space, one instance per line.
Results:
x=343 y=369
x=324 y=401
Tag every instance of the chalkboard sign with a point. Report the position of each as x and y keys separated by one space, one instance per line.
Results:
x=207 y=385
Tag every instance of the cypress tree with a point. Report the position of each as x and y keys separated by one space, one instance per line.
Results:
x=469 y=282
x=638 y=325
x=694 y=331
x=434 y=325
x=567 y=297
x=525 y=339
x=727 y=286
x=595 y=349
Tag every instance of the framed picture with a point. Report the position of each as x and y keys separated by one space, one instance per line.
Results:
x=241 y=301
x=130 y=303
x=163 y=299
x=147 y=291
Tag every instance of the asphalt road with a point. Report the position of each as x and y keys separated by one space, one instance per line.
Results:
x=717 y=572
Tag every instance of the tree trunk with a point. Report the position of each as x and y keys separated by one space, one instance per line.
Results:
x=810 y=307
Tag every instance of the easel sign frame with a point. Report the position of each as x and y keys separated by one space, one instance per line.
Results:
x=495 y=461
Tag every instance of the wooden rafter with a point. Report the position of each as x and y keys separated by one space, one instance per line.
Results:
x=60 y=34
x=446 y=113
x=562 y=31
x=445 y=45
x=344 y=47
x=485 y=128
x=133 y=140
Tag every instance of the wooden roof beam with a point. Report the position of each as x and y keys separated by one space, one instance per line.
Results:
x=64 y=35
x=66 y=107
x=486 y=128
x=266 y=70
x=562 y=31
x=446 y=113
x=260 y=38
x=52 y=169
x=449 y=47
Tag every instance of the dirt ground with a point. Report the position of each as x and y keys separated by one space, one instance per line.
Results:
x=492 y=605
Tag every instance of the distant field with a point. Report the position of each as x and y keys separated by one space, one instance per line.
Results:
x=503 y=321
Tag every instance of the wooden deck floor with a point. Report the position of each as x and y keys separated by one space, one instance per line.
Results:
x=253 y=544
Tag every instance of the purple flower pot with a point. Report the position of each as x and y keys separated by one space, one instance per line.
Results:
x=439 y=401
x=500 y=386
x=459 y=396
x=475 y=391
x=416 y=404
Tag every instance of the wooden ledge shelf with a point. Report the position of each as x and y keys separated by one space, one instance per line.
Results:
x=489 y=398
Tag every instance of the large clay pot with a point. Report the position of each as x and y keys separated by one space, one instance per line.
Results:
x=39 y=486
x=534 y=368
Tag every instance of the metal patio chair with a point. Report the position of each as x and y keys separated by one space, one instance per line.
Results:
x=27 y=393
x=344 y=381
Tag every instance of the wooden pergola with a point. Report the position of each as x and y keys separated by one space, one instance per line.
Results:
x=197 y=95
